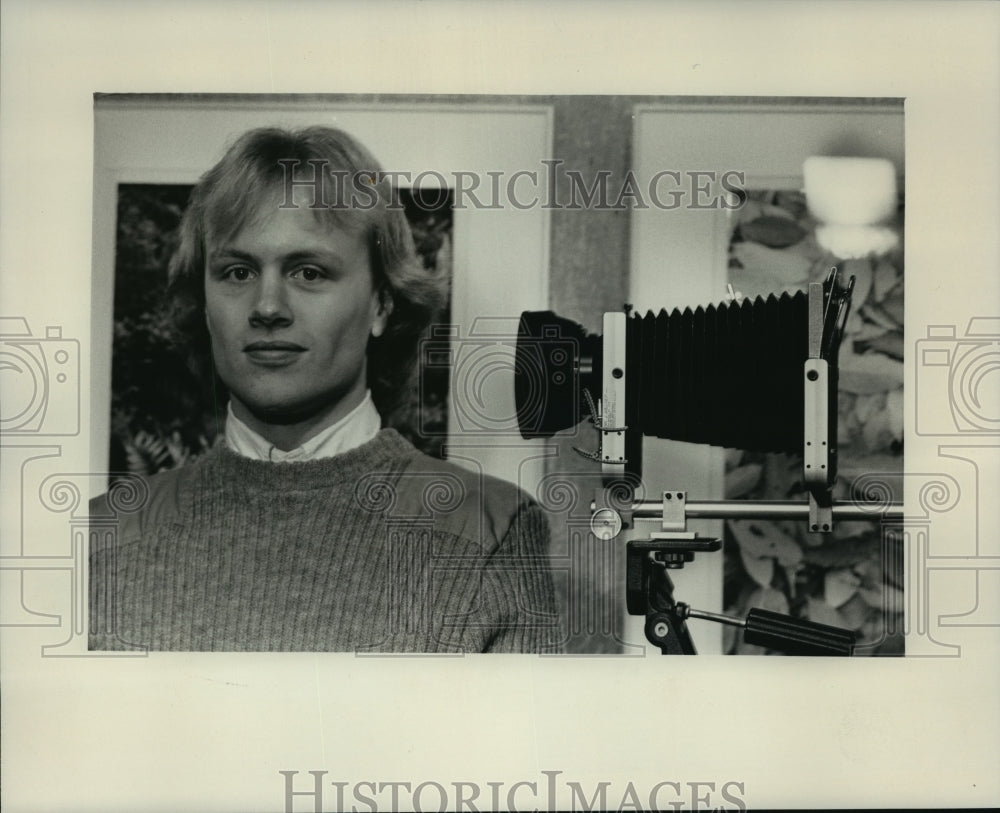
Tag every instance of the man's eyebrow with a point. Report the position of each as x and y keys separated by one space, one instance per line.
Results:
x=230 y=254
x=330 y=255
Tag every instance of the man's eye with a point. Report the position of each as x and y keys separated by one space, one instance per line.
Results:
x=308 y=273
x=237 y=273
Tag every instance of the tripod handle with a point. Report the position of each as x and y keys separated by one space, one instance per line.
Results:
x=795 y=636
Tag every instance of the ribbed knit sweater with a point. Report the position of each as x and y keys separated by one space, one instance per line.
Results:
x=379 y=549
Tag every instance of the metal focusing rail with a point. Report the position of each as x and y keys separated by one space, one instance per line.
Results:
x=607 y=522
x=790 y=509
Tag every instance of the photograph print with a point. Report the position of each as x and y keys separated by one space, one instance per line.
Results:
x=413 y=374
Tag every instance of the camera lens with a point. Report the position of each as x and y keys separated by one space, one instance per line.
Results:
x=551 y=351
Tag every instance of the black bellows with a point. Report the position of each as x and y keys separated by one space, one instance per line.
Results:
x=727 y=375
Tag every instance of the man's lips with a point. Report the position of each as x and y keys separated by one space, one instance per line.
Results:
x=273 y=346
x=273 y=352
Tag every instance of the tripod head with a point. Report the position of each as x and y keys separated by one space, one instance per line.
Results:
x=649 y=591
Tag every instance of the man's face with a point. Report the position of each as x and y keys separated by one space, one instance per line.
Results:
x=290 y=306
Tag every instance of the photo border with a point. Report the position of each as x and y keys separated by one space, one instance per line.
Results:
x=182 y=732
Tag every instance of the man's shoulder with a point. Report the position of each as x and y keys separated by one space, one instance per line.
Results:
x=138 y=502
x=462 y=501
x=496 y=494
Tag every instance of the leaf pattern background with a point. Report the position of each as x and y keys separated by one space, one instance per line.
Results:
x=840 y=578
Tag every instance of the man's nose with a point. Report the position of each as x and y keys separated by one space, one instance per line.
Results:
x=271 y=304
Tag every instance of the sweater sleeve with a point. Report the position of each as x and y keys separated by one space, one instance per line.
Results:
x=517 y=579
x=117 y=524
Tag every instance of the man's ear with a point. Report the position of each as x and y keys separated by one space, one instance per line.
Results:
x=382 y=311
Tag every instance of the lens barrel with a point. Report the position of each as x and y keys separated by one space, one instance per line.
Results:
x=555 y=360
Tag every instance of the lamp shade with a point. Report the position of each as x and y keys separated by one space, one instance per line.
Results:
x=850 y=191
x=852 y=198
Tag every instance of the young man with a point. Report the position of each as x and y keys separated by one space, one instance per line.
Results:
x=310 y=527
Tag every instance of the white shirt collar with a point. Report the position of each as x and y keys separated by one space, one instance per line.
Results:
x=357 y=427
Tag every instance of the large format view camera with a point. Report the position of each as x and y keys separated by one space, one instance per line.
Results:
x=726 y=375
x=758 y=375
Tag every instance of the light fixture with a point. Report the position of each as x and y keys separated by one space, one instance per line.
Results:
x=855 y=201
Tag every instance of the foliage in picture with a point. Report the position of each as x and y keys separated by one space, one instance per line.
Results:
x=851 y=578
